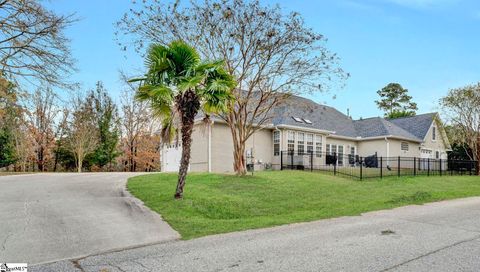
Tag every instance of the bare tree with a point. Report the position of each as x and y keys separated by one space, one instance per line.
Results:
x=60 y=133
x=33 y=46
x=462 y=106
x=136 y=121
x=82 y=136
x=24 y=148
x=42 y=111
x=271 y=54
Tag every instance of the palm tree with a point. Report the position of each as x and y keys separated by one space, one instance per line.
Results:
x=178 y=85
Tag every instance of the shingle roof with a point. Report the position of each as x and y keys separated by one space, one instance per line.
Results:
x=376 y=126
x=327 y=118
x=330 y=119
x=418 y=125
x=323 y=117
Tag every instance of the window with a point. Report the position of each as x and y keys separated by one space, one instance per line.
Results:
x=404 y=146
x=434 y=133
x=291 y=142
x=334 y=149
x=298 y=120
x=301 y=143
x=340 y=155
x=307 y=121
x=318 y=146
x=328 y=149
x=276 y=143
x=437 y=155
x=351 y=156
x=309 y=143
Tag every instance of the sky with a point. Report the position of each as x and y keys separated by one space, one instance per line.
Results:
x=428 y=46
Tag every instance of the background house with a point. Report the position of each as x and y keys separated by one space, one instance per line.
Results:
x=300 y=125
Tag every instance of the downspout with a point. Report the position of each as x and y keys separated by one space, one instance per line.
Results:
x=388 y=148
x=281 y=146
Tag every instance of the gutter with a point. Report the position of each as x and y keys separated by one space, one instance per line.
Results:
x=305 y=129
x=376 y=138
x=388 y=147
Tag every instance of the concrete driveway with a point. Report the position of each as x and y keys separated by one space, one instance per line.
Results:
x=442 y=236
x=48 y=217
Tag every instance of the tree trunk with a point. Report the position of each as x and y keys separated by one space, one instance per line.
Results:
x=238 y=138
x=239 y=163
x=80 y=163
x=40 y=162
x=188 y=105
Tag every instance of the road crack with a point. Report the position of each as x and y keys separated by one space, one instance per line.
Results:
x=76 y=264
x=142 y=265
x=4 y=243
x=431 y=253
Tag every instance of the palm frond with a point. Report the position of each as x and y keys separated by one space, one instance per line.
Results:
x=190 y=82
x=168 y=131
x=184 y=57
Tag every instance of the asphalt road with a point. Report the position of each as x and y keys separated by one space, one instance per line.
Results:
x=443 y=236
x=49 y=217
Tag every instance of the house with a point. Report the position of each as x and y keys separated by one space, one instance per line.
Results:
x=300 y=125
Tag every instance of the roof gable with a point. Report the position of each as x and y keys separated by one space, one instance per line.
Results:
x=376 y=126
x=417 y=125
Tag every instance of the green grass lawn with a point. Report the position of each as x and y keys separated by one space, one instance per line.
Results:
x=216 y=203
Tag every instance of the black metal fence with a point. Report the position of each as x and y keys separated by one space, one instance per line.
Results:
x=374 y=166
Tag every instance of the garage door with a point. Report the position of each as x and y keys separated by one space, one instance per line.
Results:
x=171 y=158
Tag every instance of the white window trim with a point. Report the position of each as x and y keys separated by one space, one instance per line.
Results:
x=318 y=154
x=294 y=140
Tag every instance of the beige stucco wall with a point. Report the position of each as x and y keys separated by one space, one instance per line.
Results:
x=435 y=145
x=199 y=153
x=392 y=149
x=396 y=150
x=222 y=148
x=261 y=144
x=369 y=147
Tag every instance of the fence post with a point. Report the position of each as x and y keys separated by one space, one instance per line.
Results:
x=335 y=164
x=428 y=169
x=440 y=167
x=414 y=166
x=311 y=161
x=291 y=160
x=398 y=169
x=361 y=168
x=281 y=160
x=381 y=167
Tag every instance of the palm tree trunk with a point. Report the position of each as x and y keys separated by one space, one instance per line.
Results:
x=188 y=106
